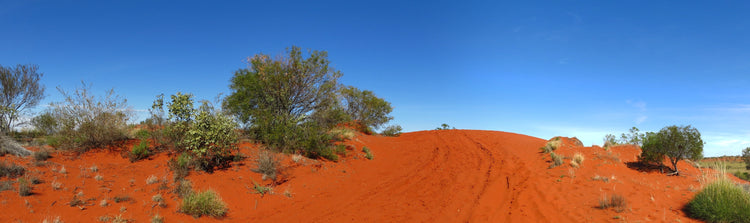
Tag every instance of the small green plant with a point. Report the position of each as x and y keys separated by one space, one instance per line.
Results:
x=203 y=203
x=12 y=170
x=368 y=153
x=24 y=187
x=262 y=190
x=444 y=126
x=180 y=166
x=139 y=151
x=615 y=201
x=556 y=160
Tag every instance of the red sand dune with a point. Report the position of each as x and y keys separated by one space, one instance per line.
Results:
x=428 y=176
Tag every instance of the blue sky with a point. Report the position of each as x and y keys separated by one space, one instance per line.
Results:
x=571 y=68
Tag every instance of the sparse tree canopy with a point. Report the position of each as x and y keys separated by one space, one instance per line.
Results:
x=20 y=90
x=674 y=142
x=633 y=138
x=365 y=108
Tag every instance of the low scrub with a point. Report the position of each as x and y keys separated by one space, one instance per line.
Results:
x=139 y=151
x=8 y=145
x=24 y=187
x=267 y=164
x=368 y=153
x=551 y=145
x=41 y=155
x=615 y=201
x=721 y=201
x=556 y=159
x=11 y=170
x=203 y=203
x=577 y=160
x=392 y=130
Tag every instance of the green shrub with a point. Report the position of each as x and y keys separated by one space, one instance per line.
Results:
x=11 y=171
x=262 y=190
x=139 y=151
x=46 y=123
x=41 y=155
x=721 y=201
x=393 y=130
x=674 y=142
x=368 y=153
x=142 y=134
x=203 y=203
x=53 y=141
x=556 y=160
x=445 y=126
x=87 y=122
x=369 y=111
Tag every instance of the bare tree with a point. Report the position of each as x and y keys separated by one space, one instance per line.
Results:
x=20 y=91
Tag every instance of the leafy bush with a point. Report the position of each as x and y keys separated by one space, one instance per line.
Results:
x=721 y=201
x=45 y=123
x=203 y=203
x=368 y=153
x=288 y=104
x=393 y=130
x=11 y=171
x=609 y=140
x=139 y=151
x=369 y=111
x=87 y=122
x=674 y=142
x=142 y=134
x=206 y=134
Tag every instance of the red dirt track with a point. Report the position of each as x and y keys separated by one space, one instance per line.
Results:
x=427 y=176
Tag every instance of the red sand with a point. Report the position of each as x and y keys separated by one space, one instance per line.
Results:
x=428 y=176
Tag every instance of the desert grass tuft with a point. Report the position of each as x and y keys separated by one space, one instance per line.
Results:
x=720 y=200
x=556 y=159
x=577 y=160
x=267 y=164
x=203 y=203
x=11 y=170
x=551 y=145
x=152 y=179
x=368 y=153
x=615 y=201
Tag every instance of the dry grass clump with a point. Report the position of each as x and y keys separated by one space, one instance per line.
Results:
x=551 y=145
x=24 y=187
x=577 y=160
x=597 y=177
x=368 y=153
x=152 y=179
x=615 y=201
x=609 y=156
x=12 y=170
x=267 y=164
x=556 y=159
x=41 y=155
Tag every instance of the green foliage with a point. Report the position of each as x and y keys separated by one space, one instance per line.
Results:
x=445 y=127
x=551 y=145
x=11 y=171
x=21 y=90
x=634 y=137
x=86 y=121
x=45 y=123
x=393 y=130
x=368 y=153
x=139 y=151
x=746 y=157
x=721 y=201
x=674 y=142
x=53 y=141
x=142 y=134
x=369 y=111
x=609 y=140
x=203 y=203
x=180 y=166
x=556 y=159
x=262 y=190
x=41 y=155
x=288 y=104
